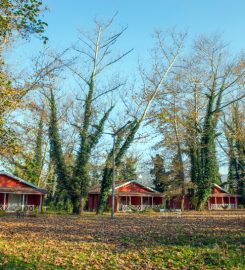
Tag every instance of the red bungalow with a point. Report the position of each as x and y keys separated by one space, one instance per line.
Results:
x=128 y=195
x=16 y=193
x=221 y=199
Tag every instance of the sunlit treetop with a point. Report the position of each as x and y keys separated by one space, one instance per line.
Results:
x=21 y=17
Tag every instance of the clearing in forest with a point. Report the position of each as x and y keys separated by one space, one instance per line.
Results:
x=197 y=240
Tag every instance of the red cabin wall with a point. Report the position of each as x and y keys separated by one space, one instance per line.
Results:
x=33 y=199
x=187 y=203
x=175 y=203
x=6 y=181
x=1 y=198
x=216 y=190
x=110 y=203
x=96 y=202
x=157 y=200
x=219 y=200
x=90 y=202
x=93 y=201
x=133 y=187
x=136 y=200
x=226 y=200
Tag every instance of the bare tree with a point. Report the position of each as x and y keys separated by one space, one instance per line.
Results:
x=169 y=48
x=96 y=52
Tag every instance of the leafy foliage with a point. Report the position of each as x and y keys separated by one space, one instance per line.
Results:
x=22 y=17
x=10 y=99
x=161 y=177
x=127 y=171
x=235 y=130
x=56 y=153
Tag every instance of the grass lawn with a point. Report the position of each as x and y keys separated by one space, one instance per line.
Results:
x=197 y=240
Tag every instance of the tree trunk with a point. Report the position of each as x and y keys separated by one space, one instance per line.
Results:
x=81 y=208
x=76 y=205
x=180 y=156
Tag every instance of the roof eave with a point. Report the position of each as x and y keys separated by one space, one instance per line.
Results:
x=24 y=182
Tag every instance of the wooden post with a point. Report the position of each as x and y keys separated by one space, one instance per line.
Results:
x=229 y=201
x=118 y=203
x=40 y=204
x=141 y=203
x=215 y=201
x=222 y=201
x=129 y=200
x=236 y=202
x=152 y=202
x=23 y=202
x=4 y=202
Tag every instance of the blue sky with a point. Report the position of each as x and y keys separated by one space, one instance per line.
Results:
x=142 y=17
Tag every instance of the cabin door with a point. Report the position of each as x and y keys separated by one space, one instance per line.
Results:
x=14 y=201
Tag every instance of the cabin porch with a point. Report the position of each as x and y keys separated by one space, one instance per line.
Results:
x=127 y=203
x=11 y=202
x=221 y=201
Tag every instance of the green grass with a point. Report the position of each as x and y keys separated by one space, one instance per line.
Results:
x=10 y=262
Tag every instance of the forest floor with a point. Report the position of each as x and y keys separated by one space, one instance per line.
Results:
x=197 y=240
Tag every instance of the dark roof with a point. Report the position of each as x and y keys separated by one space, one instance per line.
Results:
x=31 y=187
x=22 y=190
x=221 y=189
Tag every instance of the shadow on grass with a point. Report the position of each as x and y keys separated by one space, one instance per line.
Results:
x=10 y=262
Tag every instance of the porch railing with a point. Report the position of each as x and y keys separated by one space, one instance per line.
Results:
x=13 y=208
x=129 y=208
x=223 y=206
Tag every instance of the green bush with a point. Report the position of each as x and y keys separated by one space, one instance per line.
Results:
x=2 y=213
x=36 y=210
x=150 y=210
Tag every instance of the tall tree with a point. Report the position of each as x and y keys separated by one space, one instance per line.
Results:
x=28 y=161
x=168 y=117
x=188 y=114
x=56 y=152
x=97 y=52
x=160 y=176
x=38 y=154
x=22 y=17
x=128 y=169
x=235 y=135
x=212 y=76
x=152 y=83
